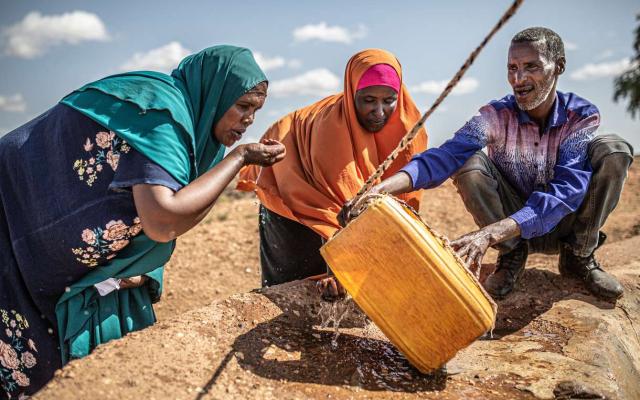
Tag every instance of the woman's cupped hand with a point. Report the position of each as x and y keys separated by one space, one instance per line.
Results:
x=264 y=154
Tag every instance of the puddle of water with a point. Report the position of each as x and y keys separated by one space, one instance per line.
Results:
x=326 y=353
x=330 y=343
x=287 y=352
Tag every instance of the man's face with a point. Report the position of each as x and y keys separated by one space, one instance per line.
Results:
x=531 y=75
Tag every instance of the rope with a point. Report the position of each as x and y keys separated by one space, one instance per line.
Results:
x=406 y=140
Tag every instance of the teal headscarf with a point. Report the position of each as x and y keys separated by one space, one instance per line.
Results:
x=170 y=120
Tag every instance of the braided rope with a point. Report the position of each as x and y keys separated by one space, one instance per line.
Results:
x=406 y=140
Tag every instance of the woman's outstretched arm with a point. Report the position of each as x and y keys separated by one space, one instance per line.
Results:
x=166 y=214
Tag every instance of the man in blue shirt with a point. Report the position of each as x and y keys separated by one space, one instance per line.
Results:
x=547 y=183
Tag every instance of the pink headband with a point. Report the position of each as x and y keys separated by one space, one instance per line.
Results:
x=380 y=75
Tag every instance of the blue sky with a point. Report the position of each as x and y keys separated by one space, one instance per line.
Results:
x=49 y=48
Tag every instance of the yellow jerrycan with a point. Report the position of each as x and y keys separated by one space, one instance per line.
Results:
x=408 y=280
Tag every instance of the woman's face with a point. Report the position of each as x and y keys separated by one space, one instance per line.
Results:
x=374 y=106
x=240 y=115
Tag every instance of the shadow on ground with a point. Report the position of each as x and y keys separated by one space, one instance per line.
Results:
x=536 y=292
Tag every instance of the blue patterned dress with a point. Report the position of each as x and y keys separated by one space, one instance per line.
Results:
x=66 y=207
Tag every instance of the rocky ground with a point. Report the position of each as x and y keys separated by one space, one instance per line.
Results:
x=217 y=339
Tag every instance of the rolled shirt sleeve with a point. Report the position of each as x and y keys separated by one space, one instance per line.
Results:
x=564 y=194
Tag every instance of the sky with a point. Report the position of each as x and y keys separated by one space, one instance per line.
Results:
x=49 y=48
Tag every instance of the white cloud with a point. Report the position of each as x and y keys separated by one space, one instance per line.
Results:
x=163 y=58
x=294 y=64
x=466 y=85
x=13 y=103
x=605 y=54
x=316 y=82
x=326 y=33
x=32 y=36
x=600 y=70
x=269 y=63
x=570 y=46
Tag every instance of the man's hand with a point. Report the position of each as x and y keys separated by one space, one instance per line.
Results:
x=472 y=248
x=351 y=209
x=396 y=184
x=345 y=215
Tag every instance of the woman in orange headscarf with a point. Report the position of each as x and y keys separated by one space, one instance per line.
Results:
x=332 y=147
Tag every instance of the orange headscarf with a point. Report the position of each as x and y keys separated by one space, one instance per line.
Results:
x=329 y=155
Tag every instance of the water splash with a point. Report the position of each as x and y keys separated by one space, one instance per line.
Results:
x=333 y=312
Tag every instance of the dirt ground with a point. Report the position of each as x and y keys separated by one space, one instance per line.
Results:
x=217 y=339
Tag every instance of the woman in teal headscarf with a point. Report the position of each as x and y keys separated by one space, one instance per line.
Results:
x=94 y=192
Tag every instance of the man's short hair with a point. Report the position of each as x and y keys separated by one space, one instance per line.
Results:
x=552 y=45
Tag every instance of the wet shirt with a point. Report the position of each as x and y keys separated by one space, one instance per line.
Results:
x=66 y=207
x=550 y=168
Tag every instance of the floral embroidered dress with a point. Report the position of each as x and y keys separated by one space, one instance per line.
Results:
x=66 y=208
